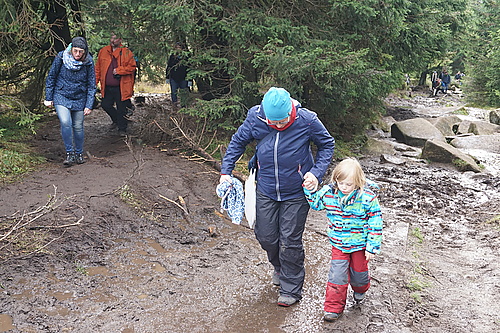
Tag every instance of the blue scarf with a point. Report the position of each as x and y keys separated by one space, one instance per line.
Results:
x=71 y=63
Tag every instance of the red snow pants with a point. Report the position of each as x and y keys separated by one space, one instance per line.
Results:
x=345 y=269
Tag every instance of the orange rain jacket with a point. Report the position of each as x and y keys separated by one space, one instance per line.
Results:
x=126 y=68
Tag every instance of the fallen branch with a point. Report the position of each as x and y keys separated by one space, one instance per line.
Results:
x=196 y=147
x=57 y=226
x=182 y=206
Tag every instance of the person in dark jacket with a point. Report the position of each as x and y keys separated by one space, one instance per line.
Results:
x=283 y=131
x=176 y=72
x=70 y=88
x=445 y=81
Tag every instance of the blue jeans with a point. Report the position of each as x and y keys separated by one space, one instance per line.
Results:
x=71 y=128
x=176 y=85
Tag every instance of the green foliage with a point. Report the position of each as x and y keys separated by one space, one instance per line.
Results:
x=16 y=158
x=482 y=50
x=218 y=113
x=80 y=268
x=14 y=161
x=416 y=284
x=417 y=233
x=338 y=58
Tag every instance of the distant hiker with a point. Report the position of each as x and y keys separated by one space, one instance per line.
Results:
x=354 y=229
x=458 y=77
x=407 y=80
x=70 y=88
x=176 y=71
x=283 y=130
x=115 y=70
x=434 y=78
x=445 y=81
x=436 y=86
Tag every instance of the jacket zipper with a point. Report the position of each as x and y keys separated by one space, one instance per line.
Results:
x=276 y=171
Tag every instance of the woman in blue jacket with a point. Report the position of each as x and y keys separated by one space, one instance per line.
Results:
x=283 y=131
x=70 y=88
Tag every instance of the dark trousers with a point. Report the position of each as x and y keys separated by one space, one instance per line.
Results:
x=112 y=97
x=278 y=228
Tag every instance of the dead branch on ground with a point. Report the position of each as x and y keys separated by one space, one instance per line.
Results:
x=193 y=145
x=182 y=205
x=16 y=230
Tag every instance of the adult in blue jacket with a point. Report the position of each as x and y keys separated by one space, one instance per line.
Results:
x=445 y=80
x=283 y=131
x=70 y=88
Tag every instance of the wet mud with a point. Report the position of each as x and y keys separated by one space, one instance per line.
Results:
x=122 y=258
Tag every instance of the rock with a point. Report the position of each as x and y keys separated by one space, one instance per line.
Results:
x=489 y=143
x=438 y=151
x=463 y=127
x=415 y=132
x=483 y=128
x=495 y=117
x=376 y=146
x=446 y=124
x=384 y=158
x=385 y=123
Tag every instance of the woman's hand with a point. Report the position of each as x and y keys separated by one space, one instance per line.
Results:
x=223 y=178
x=87 y=111
x=48 y=104
x=310 y=182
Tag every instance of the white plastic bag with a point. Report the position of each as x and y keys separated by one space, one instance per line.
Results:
x=250 y=199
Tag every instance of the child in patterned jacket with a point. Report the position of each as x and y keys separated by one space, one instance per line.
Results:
x=354 y=229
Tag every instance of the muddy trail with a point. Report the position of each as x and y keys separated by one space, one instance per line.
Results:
x=133 y=242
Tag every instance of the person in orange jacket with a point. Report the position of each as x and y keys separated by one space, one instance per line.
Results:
x=115 y=69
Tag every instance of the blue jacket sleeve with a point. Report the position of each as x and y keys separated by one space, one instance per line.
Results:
x=237 y=146
x=91 y=86
x=316 y=199
x=50 y=82
x=326 y=145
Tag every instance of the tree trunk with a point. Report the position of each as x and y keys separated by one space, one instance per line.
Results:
x=58 y=20
x=423 y=78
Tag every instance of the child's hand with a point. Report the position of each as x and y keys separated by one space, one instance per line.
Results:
x=310 y=182
x=369 y=256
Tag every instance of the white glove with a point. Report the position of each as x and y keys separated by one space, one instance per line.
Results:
x=48 y=103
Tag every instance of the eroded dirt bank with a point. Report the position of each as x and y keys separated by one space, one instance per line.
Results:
x=136 y=264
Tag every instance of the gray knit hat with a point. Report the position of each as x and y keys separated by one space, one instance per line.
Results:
x=81 y=43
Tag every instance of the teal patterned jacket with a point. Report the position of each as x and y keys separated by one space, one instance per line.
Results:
x=354 y=225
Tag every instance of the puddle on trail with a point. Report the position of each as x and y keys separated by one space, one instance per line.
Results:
x=6 y=323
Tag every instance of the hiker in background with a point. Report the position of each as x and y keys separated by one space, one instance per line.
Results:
x=284 y=131
x=434 y=78
x=176 y=72
x=115 y=69
x=407 y=80
x=445 y=81
x=436 y=86
x=458 y=77
x=354 y=229
x=70 y=88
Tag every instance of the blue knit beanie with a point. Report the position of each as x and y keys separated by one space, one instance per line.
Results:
x=277 y=104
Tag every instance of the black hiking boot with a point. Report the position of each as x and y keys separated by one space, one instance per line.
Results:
x=70 y=159
x=79 y=159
